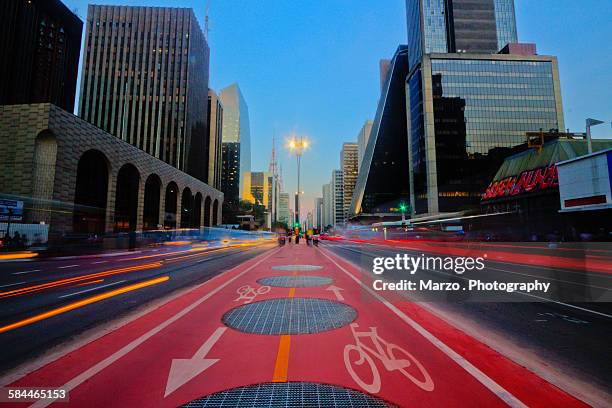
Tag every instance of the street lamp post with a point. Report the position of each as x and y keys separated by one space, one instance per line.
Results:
x=591 y=122
x=297 y=147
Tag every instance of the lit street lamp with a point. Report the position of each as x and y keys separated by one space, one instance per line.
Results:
x=297 y=147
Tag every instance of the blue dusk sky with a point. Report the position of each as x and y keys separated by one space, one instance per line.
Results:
x=311 y=67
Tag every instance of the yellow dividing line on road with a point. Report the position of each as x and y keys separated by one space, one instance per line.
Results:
x=282 y=357
x=81 y=303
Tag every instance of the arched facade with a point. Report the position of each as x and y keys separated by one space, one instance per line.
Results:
x=91 y=193
x=216 y=216
x=126 y=198
x=207 y=213
x=89 y=181
x=171 y=202
x=186 y=208
x=151 y=207
x=197 y=211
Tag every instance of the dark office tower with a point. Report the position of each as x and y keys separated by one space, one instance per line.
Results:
x=471 y=26
x=145 y=80
x=476 y=26
x=230 y=172
x=40 y=42
x=383 y=178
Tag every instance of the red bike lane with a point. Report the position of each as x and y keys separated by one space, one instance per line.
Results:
x=184 y=349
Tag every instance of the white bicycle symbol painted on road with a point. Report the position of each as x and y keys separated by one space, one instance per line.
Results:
x=249 y=294
x=392 y=356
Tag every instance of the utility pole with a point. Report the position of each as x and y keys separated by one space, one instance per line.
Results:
x=591 y=122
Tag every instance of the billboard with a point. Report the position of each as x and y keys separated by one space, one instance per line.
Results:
x=528 y=181
x=585 y=183
x=12 y=209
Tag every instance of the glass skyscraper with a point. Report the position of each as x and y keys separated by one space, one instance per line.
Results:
x=467 y=115
x=469 y=105
x=441 y=26
x=505 y=19
x=236 y=142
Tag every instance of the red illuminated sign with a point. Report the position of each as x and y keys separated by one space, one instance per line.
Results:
x=528 y=181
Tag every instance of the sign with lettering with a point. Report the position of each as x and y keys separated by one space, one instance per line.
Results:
x=528 y=181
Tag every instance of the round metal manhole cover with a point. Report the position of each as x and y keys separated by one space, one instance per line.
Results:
x=289 y=395
x=295 y=281
x=296 y=267
x=290 y=316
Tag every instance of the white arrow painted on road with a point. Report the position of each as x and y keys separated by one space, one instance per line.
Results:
x=184 y=370
x=336 y=291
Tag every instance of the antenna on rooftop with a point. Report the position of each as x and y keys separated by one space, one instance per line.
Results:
x=206 y=27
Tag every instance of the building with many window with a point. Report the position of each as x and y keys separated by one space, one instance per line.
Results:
x=215 y=128
x=472 y=97
x=467 y=113
x=257 y=188
x=349 y=166
x=236 y=142
x=459 y=26
x=283 y=208
x=40 y=43
x=362 y=141
x=145 y=80
x=230 y=171
x=328 y=204
x=318 y=213
x=337 y=187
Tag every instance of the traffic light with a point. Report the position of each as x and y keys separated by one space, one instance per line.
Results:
x=403 y=207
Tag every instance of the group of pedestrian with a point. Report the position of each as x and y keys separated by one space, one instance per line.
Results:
x=311 y=239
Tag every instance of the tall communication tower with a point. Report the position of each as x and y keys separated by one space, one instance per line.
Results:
x=273 y=169
x=206 y=26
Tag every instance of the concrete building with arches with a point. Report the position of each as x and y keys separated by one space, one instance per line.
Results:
x=78 y=178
